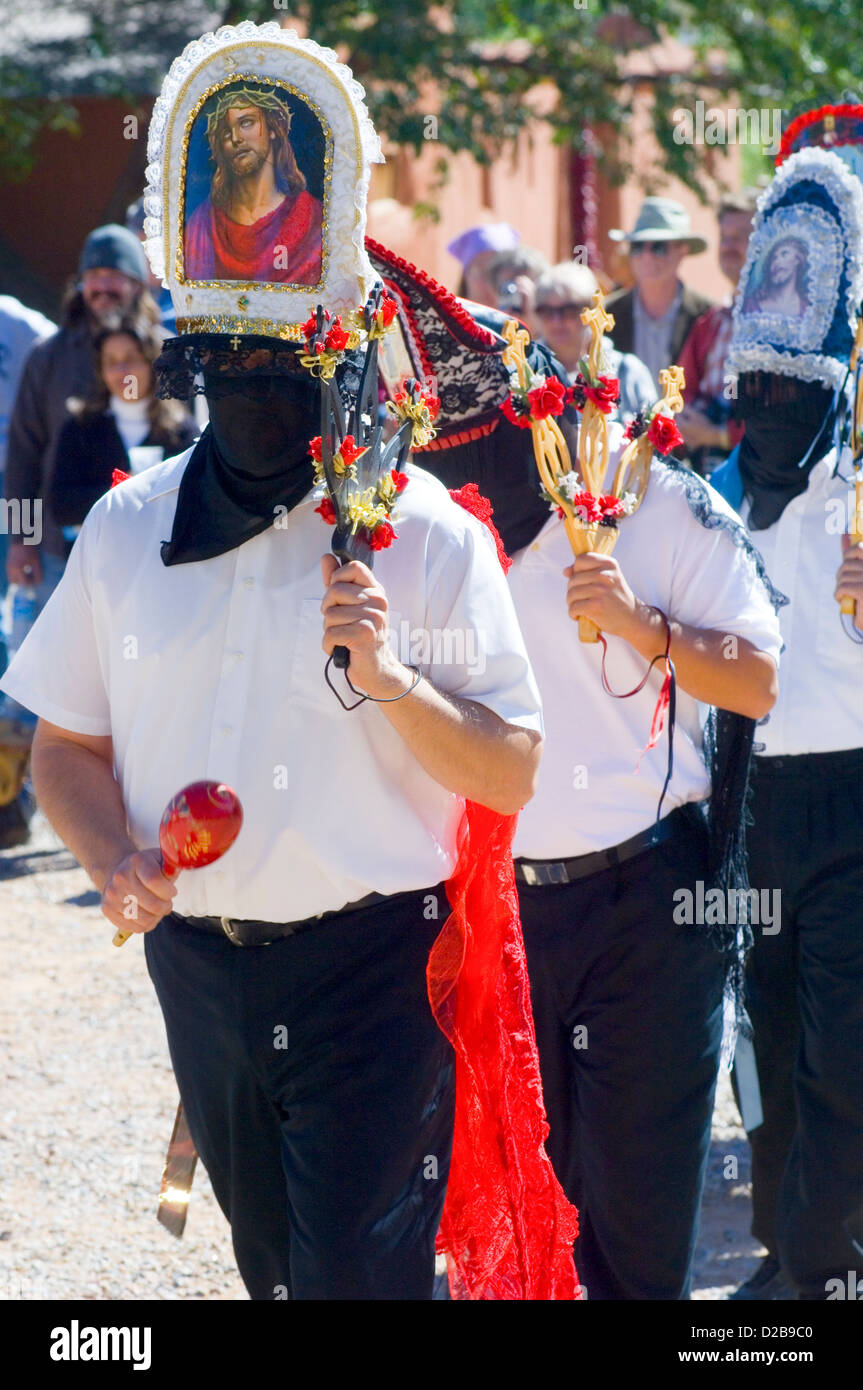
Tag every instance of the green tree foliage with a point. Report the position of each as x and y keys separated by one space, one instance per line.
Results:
x=472 y=63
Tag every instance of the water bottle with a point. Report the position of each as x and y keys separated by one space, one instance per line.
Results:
x=24 y=606
x=24 y=611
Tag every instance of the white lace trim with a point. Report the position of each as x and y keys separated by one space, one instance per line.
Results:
x=259 y=52
x=758 y=339
x=805 y=366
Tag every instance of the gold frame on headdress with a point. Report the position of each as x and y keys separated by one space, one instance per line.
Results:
x=241 y=285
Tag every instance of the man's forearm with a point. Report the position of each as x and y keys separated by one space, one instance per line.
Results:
x=715 y=667
x=81 y=798
x=464 y=746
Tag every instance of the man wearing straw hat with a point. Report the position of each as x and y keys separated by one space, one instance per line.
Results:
x=654 y=318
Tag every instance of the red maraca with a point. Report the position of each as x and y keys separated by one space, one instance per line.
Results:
x=198 y=825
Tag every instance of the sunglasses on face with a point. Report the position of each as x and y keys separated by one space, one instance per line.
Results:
x=559 y=311
x=658 y=248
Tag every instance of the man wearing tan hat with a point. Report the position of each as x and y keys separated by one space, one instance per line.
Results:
x=653 y=319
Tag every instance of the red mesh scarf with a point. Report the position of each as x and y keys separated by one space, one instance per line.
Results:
x=507 y=1228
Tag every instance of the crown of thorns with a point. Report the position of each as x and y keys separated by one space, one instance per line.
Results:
x=245 y=96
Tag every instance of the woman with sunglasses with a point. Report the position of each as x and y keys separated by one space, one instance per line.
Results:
x=562 y=293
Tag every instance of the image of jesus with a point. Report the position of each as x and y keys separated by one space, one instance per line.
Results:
x=259 y=221
x=783 y=287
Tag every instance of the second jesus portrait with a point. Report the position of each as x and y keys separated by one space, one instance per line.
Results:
x=254 y=194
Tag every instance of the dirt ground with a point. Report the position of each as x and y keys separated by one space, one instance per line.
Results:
x=88 y=1100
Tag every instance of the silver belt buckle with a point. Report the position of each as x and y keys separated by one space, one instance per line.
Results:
x=544 y=875
x=229 y=932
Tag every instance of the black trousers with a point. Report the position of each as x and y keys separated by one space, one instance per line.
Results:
x=628 y=1013
x=319 y=1092
x=805 y=999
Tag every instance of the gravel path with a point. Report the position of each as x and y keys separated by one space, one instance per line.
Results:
x=88 y=1103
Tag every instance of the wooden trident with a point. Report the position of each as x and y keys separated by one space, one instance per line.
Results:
x=855 y=530
x=586 y=484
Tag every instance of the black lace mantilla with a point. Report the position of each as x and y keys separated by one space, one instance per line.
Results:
x=728 y=745
x=239 y=358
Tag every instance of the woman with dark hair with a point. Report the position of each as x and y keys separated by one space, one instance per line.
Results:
x=120 y=419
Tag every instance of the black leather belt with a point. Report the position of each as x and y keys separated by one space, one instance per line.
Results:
x=264 y=933
x=543 y=873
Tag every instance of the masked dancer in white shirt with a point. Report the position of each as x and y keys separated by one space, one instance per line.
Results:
x=792 y=479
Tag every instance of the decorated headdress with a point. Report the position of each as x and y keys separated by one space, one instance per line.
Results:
x=799 y=295
x=835 y=127
x=280 y=285
x=269 y=276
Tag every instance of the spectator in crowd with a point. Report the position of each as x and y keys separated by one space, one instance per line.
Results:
x=562 y=293
x=121 y=424
x=514 y=275
x=475 y=249
x=112 y=276
x=20 y=329
x=654 y=319
x=135 y=223
x=705 y=422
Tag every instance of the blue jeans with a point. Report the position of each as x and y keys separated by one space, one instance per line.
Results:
x=4 y=545
x=19 y=625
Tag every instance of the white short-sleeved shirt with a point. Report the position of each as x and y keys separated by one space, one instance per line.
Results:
x=589 y=796
x=818 y=709
x=214 y=669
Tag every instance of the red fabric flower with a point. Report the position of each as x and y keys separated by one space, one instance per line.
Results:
x=401 y=480
x=664 y=434
x=610 y=505
x=336 y=338
x=509 y=410
x=586 y=507
x=432 y=403
x=387 y=309
x=605 y=395
x=548 y=399
x=327 y=511
x=315 y=448
x=382 y=537
x=349 y=450
x=118 y=476
x=309 y=328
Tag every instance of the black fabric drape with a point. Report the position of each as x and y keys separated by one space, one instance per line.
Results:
x=252 y=458
x=788 y=428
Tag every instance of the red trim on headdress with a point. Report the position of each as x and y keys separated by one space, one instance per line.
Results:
x=446 y=303
x=449 y=441
x=808 y=118
x=416 y=336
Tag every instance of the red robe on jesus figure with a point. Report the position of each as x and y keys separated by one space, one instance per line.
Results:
x=284 y=246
